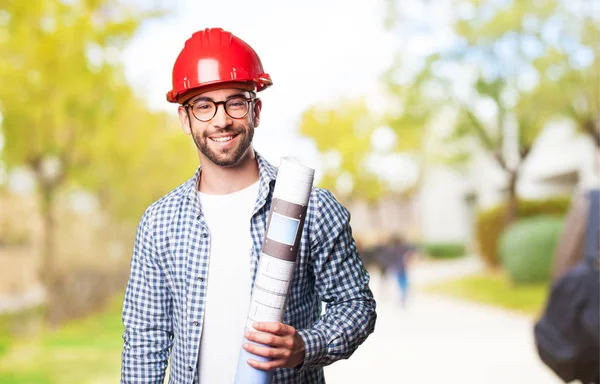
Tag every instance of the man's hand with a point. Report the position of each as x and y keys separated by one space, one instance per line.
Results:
x=285 y=347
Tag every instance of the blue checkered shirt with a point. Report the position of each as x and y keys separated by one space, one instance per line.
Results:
x=164 y=301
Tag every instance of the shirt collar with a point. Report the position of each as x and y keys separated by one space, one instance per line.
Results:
x=267 y=174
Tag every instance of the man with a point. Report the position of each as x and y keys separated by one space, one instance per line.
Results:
x=398 y=257
x=197 y=248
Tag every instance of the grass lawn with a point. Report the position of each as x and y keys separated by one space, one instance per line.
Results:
x=83 y=351
x=494 y=288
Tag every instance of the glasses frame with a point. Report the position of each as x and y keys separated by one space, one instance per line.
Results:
x=248 y=100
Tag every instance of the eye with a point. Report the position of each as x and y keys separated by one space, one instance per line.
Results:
x=203 y=106
x=236 y=103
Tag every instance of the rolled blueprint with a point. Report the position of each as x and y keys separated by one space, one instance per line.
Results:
x=277 y=259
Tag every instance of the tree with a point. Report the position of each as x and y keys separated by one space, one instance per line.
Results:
x=342 y=133
x=414 y=101
x=145 y=156
x=507 y=58
x=61 y=94
x=570 y=69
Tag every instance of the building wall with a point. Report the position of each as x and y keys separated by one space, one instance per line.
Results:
x=448 y=201
x=443 y=207
x=376 y=223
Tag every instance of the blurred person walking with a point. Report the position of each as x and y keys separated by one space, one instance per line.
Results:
x=398 y=256
x=197 y=248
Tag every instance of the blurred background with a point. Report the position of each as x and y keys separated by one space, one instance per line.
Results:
x=466 y=128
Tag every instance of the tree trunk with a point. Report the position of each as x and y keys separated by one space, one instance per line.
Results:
x=376 y=218
x=593 y=130
x=47 y=252
x=512 y=198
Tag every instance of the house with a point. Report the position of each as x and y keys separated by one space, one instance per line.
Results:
x=560 y=162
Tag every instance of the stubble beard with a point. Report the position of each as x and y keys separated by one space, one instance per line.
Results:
x=230 y=156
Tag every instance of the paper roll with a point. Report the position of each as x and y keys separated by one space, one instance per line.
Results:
x=278 y=258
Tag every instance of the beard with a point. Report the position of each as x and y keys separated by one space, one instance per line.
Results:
x=226 y=157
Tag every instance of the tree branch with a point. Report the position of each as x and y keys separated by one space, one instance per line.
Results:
x=592 y=129
x=484 y=138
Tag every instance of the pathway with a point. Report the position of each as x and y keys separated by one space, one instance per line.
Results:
x=438 y=339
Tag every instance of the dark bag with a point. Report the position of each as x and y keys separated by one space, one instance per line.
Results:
x=567 y=335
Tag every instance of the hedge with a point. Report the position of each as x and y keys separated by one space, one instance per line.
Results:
x=527 y=248
x=443 y=250
x=489 y=223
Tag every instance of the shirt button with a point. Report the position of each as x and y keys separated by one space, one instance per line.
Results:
x=190 y=368
x=201 y=279
x=196 y=323
x=205 y=234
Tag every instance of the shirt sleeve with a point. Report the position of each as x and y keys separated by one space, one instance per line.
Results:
x=342 y=283
x=147 y=311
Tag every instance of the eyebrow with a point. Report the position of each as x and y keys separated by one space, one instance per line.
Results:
x=202 y=98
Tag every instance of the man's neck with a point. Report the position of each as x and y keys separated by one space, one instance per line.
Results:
x=217 y=180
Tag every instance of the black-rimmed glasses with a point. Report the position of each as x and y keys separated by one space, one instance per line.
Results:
x=205 y=109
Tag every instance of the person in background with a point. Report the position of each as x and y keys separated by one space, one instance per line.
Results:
x=398 y=255
x=197 y=248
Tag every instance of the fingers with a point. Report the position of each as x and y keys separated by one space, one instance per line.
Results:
x=270 y=339
x=278 y=342
x=278 y=357
x=275 y=328
x=269 y=352
x=266 y=366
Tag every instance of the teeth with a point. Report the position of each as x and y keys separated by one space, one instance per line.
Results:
x=221 y=139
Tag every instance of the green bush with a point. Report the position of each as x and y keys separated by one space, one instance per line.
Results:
x=443 y=250
x=489 y=223
x=526 y=249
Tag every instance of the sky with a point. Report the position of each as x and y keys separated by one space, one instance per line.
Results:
x=315 y=51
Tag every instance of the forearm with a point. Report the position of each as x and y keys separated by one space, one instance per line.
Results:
x=147 y=312
x=146 y=347
x=341 y=282
x=147 y=340
x=339 y=332
x=142 y=362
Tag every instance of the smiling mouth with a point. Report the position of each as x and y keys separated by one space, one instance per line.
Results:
x=223 y=139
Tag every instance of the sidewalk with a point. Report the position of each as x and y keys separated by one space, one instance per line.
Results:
x=443 y=340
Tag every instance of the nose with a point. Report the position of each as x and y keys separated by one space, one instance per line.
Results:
x=221 y=118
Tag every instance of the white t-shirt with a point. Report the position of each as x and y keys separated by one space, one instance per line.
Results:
x=228 y=290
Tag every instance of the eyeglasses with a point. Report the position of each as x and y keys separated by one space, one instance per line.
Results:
x=205 y=109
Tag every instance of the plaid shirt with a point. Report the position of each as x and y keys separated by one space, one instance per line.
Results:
x=164 y=302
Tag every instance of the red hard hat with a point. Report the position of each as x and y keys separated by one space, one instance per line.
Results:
x=214 y=56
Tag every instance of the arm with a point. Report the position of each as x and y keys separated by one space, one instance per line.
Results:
x=342 y=283
x=147 y=311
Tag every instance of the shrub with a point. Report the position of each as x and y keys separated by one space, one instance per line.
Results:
x=443 y=250
x=489 y=224
x=80 y=290
x=527 y=247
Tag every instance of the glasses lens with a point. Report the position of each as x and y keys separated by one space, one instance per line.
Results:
x=237 y=107
x=204 y=110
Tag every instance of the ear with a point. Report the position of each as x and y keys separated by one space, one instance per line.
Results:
x=184 y=120
x=256 y=114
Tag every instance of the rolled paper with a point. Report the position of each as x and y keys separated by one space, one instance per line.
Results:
x=277 y=259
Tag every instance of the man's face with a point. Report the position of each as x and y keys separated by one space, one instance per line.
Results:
x=223 y=140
